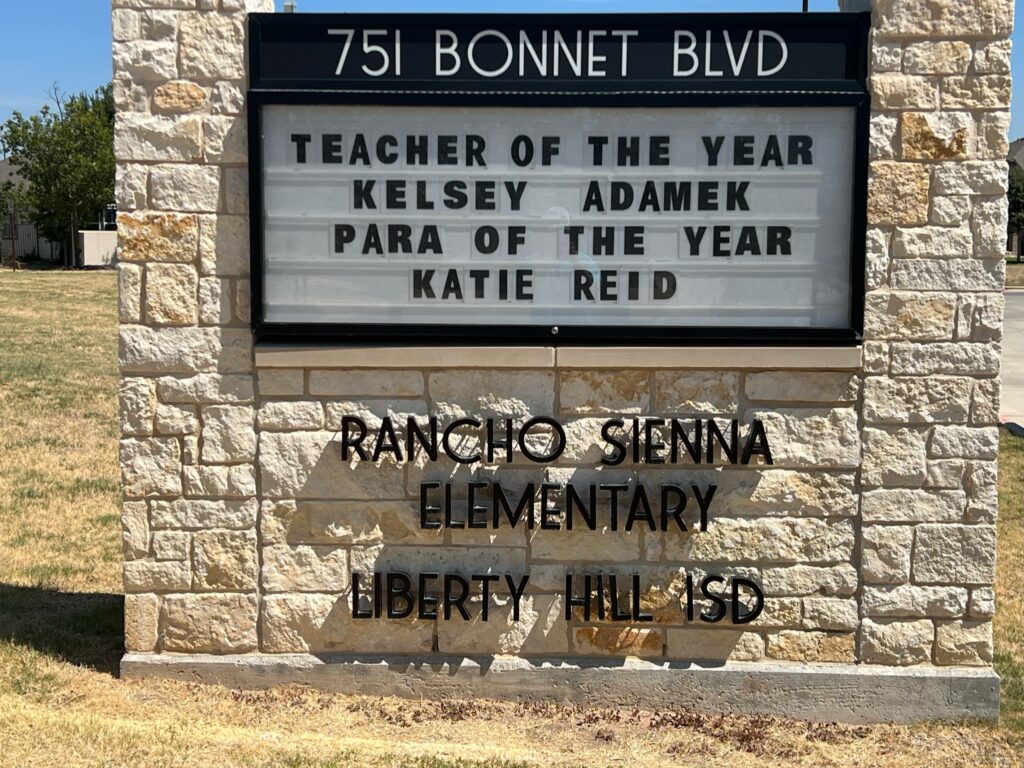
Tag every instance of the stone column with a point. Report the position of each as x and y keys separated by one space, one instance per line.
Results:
x=937 y=230
x=187 y=419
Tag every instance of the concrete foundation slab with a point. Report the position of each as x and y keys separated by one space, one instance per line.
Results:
x=842 y=693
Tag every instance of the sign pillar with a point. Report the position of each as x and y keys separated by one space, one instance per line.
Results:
x=636 y=355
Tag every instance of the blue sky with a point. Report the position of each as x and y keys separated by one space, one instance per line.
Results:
x=68 y=41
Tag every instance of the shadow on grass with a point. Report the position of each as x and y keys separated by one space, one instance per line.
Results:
x=85 y=629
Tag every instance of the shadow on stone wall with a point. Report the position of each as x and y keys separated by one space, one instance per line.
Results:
x=82 y=628
x=326 y=518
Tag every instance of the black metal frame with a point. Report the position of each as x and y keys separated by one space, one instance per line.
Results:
x=637 y=95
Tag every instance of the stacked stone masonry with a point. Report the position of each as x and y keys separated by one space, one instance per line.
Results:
x=873 y=534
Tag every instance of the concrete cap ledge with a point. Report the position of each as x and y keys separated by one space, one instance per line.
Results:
x=845 y=693
x=362 y=356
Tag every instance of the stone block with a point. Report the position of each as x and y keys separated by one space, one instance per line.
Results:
x=224 y=245
x=945 y=473
x=310 y=623
x=303 y=568
x=898 y=91
x=367 y=383
x=206 y=388
x=803 y=386
x=209 y=623
x=189 y=188
x=125 y=24
x=935 y=135
x=171 y=545
x=172 y=294
x=713 y=645
x=963 y=643
x=225 y=140
x=991 y=131
x=882 y=144
x=992 y=57
x=214 y=301
x=807 y=580
x=907 y=601
x=976 y=92
x=157 y=576
x=150 y=467
x=903 y=400
x=149 y=237
x=228 y=434
x=980 y=316
x=954 y=275
x=344 y=522
x=954 y=554
x=898 y=194
x=950 y=210
x=618 y=641
x=977 y=177
x=776 y=541
x=129 y=289
x=481 y=393
x=896 y=643
x=224 y=561
x=196 y=514
x=697 y=392
x=937 y=57
x=804 y=646
x=903 y=505
x=894 y=457
x=141 y=623
x=830 y=614
x=290 y=415
x=224 y=482
x=909 y=359
x=905 y=315
x=601 y=392
x=540 y=630
x=131 y=187
x=988 y=226
x=137 y=406
x=964 y=442
x=146 y=61
x=951 y=18
x=156 y=138
x=180 y=97
x=308 y=465
x=168 y=350
x=811 y=437
x=982 y=603
x=885 y=553
x=932 y=242
x=211 y=47
x=134 y=529
x=277 y=382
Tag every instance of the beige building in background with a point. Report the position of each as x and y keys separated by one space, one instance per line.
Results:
x=873 y=534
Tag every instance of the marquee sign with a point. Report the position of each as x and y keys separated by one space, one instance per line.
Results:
x=559 y=179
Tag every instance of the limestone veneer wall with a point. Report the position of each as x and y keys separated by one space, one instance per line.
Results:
x=873 y=535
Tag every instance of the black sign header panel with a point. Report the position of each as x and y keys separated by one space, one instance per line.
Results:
x=637 y=179
x=598 y=51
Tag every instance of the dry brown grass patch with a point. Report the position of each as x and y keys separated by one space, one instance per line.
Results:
x=61 y=704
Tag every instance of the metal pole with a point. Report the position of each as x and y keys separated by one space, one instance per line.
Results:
x=806 y=4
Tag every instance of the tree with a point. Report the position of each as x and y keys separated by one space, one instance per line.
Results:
x=65 y=158
x=1016 y=198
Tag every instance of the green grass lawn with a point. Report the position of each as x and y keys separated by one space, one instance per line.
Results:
x=62 y=705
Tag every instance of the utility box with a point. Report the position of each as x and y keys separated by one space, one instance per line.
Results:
x=98 y=248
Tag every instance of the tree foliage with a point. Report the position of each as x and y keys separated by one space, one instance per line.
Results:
x=1016 y=198
x=64 y=156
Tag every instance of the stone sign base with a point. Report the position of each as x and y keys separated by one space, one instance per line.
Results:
x=844 y=693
